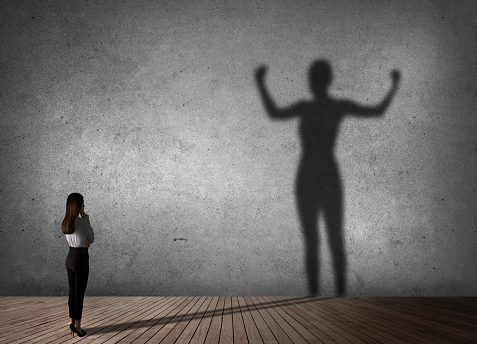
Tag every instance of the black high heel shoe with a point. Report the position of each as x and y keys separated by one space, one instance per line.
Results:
x=84 y=332
x=75 y=330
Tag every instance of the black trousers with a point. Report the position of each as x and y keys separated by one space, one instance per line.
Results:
x=77 y=266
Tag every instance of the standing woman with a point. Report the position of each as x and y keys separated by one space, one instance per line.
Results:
x=79 y=235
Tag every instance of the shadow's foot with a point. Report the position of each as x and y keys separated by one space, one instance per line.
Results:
x=313 y=290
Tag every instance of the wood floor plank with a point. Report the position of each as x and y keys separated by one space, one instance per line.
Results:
x=106 y=332
x=307 y=322
x=364 y=330
x=379 y=321
x=338 y=323
x=43 y=333
x=103 y=324
x=128 y=326
x=276 y=323
x=194 y=322
x=38 y=314
x=227 y=331
x=297 y=332
x=253 y=335
x=46 y=311
x=175 y=325
x=414 y=306
x=203 y=328
x=318 y=320
x=168 y=320
x=158 y=312
x=402 y=327
x=413 y=326
x=380 y=325
x=341 y=324
x=34 y=308
x=182 y=324
x=98 y=318
x=239 y=333
x=250 y=320
x=265 y=332
x=213 y=335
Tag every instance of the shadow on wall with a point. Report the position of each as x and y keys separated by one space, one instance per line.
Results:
x=318 y=186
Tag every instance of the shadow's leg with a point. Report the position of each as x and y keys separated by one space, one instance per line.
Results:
x=333 y=212
x=309 y=222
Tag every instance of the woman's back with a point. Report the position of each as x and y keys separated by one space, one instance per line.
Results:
x=83 y=232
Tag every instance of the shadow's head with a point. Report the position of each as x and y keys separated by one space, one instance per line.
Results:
x=320 y=77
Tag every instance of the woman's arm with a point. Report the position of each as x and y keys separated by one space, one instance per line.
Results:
x=368 y=111
x=270 y=106
x=87 y=230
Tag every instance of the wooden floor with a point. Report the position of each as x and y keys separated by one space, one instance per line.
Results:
x=242 y=320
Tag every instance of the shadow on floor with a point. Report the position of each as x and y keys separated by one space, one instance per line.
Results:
x=186 y=316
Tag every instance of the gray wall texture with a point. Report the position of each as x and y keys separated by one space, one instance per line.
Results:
x=150 y=109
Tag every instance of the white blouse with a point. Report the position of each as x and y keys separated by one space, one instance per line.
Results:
x=82 y=232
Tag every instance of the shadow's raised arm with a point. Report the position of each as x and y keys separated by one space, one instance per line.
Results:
x=272 y=109
x=353 y=108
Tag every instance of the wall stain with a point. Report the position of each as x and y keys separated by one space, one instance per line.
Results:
x=181 y=239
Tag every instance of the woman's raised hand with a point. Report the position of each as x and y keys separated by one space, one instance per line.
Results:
x=85 y=216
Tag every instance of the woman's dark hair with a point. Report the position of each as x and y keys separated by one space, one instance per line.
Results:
x=73 y=207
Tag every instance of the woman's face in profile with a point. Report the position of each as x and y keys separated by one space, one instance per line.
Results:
x=82 y=208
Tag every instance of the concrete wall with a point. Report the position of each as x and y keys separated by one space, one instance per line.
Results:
x=150 y=110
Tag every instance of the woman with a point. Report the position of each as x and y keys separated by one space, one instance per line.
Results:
x=79 y=235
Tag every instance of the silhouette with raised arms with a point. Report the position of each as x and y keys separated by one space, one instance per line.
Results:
x=318 y=185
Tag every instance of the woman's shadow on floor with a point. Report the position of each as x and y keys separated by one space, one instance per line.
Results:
x=318 y=187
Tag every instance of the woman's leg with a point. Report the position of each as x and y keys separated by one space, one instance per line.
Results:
x=71 y=295
x=81 y=280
